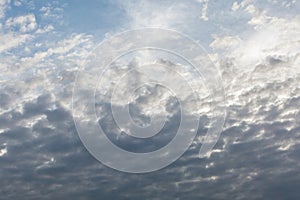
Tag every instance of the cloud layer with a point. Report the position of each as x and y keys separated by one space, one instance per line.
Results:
x=257 y=156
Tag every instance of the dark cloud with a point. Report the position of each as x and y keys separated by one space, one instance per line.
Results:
x=46 y=160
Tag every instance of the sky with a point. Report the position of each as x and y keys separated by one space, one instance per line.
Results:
x=255 y=47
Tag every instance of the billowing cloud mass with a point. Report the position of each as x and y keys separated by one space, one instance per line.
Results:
x=255 y=45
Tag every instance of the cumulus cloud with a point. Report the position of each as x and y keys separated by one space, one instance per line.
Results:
x=25 y=23
x=46 y=29
x=11 y=39
x=4 y=5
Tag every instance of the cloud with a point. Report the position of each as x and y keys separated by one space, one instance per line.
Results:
x=46 y=29
x=3 y=151
x=156 y=14
x=51 y=12
x=25 y=23
x=225 y=42
x=11 y=40
x=235 y=6
x=17 y=3
x=272 y=36
x=257 y=156
x=4 y=5
x=204 y=9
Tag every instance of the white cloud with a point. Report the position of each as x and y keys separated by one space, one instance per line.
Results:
x=251 y=9
x=153 y=14
x=46 y=29
x=204 y=12
x=3 y=151
x=25 y=23
x=11 y=40
x=17 y=3
x=204 y=9
x=4 y=5
x=244 y=3
x=51 y=12
x=271 y=36
x=235 y=6
x=288 y=3
x=225 y=42
x=64 y=48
